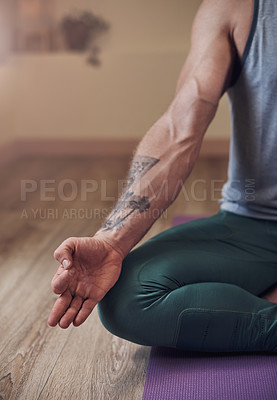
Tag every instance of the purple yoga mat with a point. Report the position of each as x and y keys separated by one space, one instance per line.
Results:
x=179 y=375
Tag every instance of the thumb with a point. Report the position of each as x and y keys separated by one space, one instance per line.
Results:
x=64 y=252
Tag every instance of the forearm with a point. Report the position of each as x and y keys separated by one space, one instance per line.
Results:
x=163 y=161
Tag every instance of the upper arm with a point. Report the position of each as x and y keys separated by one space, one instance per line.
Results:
x=205 y=75
x=210 y=60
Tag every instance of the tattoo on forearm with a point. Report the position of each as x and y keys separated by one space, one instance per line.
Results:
x=140 y=166
x=129 y=202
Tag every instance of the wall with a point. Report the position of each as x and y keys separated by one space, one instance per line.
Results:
x=58 y=95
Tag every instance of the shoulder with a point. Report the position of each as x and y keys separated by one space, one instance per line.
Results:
x=224 y=18
x=223 y=13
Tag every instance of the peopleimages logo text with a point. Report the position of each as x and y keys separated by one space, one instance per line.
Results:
x=68 y=190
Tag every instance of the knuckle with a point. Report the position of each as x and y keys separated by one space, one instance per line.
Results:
x=56 y=254
x=69 y=241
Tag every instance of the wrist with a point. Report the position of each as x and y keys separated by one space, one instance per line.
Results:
x=113 y=243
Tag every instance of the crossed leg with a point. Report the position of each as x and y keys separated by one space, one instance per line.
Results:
x=197 y=287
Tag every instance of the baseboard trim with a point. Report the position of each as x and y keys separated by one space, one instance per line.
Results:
x=215 y=148
x=211 y=148
x=8 y=152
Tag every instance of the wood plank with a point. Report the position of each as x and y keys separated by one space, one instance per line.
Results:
x=86 y=362
x=25 y=168
x=30 y=344
x=26 y=351
x=101 y=365
x=77 y=170
x=27 y=340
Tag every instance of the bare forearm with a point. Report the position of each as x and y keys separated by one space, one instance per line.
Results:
x=162 y=163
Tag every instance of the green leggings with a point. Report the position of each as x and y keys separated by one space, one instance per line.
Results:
x=196 y=287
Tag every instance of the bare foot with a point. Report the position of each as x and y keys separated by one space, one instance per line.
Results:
x=270 y=294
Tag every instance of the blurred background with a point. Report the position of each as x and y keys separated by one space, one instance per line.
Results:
x=81 y=82
x=92 y=69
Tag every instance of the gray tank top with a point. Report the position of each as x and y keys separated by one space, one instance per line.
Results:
x=251 y=189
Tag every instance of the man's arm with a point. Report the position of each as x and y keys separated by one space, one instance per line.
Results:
x=167 y=153
x=91 y=266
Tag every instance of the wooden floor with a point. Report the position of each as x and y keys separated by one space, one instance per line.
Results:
x=39 y=362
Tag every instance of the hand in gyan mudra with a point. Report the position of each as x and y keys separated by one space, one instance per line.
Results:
x=89 y=269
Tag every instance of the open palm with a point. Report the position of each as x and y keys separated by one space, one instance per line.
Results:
x=89 y=268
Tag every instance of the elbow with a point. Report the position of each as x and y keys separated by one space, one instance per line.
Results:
x=189 y=115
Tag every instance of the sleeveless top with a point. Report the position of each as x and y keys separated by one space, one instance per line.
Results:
x=251 y=189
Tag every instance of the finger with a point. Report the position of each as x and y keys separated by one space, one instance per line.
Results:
x=59 y=308
x=64 y=252
x=60 y=281
x=87 y=307
x=71 y=312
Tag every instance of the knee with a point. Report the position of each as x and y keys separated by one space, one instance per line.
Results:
x=127 y=309
x=119 y=310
